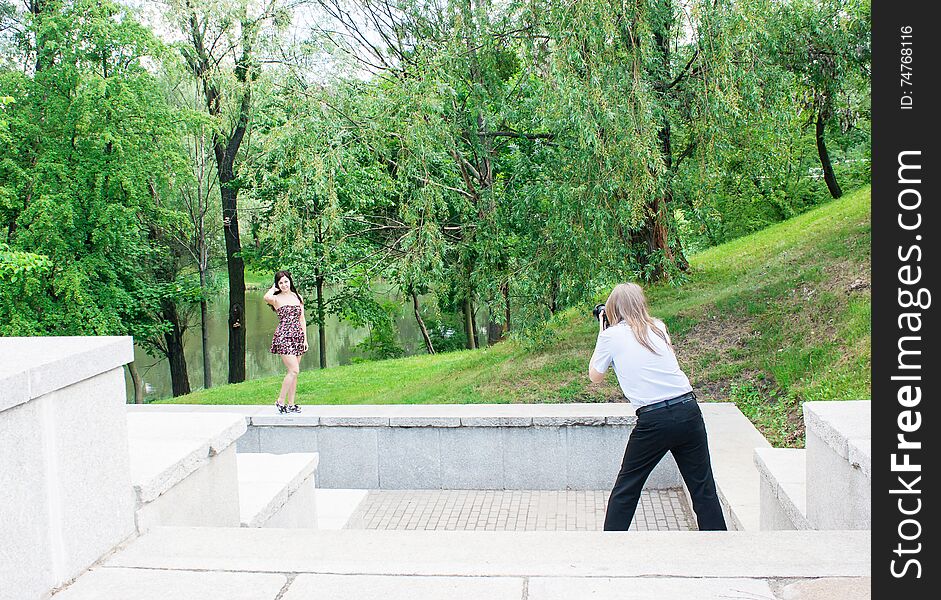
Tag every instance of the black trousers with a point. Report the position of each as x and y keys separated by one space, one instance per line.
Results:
x=678 y=429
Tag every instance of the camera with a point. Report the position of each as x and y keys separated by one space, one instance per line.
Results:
x=599 y=310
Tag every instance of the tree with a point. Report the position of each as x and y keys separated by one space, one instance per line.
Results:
x=824 y=44
x=90 y=139
x=321 y=199
x=222 y=49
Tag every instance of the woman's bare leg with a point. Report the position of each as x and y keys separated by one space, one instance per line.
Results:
x=290 y=378
x=294 y=366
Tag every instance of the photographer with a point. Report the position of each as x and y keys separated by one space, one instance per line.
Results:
x=668 y=417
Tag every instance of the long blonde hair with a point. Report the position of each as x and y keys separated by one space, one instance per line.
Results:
x=627 y=303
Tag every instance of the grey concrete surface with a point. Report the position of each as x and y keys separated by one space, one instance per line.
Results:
x=839 y=471
x=411 y=458
x=667 y=588
x=837 y=422
x=65 y=495
x=208 y=495
x=373 y=587
x=165 y=448
x=24 y=506
x=349 y=457
x=86 y=437
x=732 y=441
x=857 y=588
x=145 y=584
x=760 y=554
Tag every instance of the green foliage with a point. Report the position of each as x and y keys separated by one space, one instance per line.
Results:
x=518 y=156
x=381 y=344
x=18 y=268
x=90 y=146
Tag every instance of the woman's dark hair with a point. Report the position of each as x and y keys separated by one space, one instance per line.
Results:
x=277 y=290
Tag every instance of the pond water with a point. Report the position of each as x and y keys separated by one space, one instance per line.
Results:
x=260 y=322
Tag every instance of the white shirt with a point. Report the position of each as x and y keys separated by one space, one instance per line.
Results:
x=644 y=377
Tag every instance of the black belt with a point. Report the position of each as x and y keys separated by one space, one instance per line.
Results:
x=664 y=403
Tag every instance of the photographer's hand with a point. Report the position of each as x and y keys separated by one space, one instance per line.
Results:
x=600 y=321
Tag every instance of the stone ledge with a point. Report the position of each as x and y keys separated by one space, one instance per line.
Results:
x=364 y=421
x=421 y=415
x=496 y=421
x=419 y=421
x=570 y=421
x=267 y=481
x=732 y=442
x=167 y=448
x=31 y=367
x=784 y=470
x=278 y=420
x=838 y=421
x=156 y=466
x=143 y=584
x=860 y=455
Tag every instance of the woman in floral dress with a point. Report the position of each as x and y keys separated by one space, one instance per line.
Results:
x=290 y=338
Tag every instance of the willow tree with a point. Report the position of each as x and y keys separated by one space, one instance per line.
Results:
x=321 y=197
x=444 y=75
x=619 y=71
x=825 y=44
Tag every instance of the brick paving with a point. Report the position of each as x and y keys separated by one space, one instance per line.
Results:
x=514 y=510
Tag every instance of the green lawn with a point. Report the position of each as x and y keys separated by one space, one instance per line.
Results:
x=766 y=321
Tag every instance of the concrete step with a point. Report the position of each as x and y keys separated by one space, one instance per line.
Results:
x=496 y=553
x=183 y=468
x=335 y=507
x=783 y=488
x=277 y=490
x=264 y=564
x=732 y=440
x=839 y=464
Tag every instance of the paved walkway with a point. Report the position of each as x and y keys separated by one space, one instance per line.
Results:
x=247 y=563
x=574 y=510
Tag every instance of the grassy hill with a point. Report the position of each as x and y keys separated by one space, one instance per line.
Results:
x=766 y=321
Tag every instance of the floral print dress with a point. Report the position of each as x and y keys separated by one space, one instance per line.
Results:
x=289 y=336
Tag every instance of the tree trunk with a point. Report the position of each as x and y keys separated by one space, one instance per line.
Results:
x=421 y=325
x=505 y=290
x=44 y=55
x=204 y=330
x=554 y=286
x=469 y=325
x=494 y=332
x=236 y=269
x=473 y=314
x=138 y=383
x=225 y=147
x=321 y=322
x=656 y=227
x=179 y=378
x=828 y=176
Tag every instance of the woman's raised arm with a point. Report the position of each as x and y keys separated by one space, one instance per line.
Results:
x=270 y=297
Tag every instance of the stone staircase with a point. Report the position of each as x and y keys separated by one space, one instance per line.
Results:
x=185 y=472
x=828 y=485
